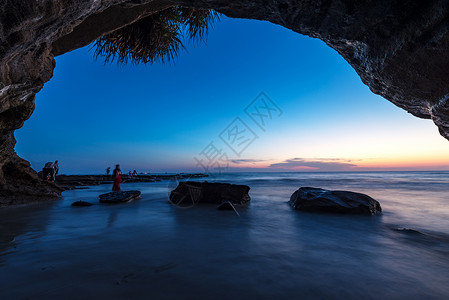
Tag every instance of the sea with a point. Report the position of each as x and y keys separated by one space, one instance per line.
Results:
x=151 y=249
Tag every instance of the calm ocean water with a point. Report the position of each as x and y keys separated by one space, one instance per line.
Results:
x=149 y=249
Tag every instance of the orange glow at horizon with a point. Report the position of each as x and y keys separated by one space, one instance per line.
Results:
x=385 y=163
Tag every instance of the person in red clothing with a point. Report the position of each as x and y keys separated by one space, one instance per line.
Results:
x=117 y=178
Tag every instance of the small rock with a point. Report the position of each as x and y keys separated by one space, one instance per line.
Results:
x=407 y=230
x=81 y=203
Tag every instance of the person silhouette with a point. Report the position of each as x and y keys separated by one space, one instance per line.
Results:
x=117 y=178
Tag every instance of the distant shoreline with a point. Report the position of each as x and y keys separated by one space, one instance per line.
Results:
x=70 y=182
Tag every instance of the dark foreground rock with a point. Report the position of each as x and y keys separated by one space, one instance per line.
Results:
x=19 y=184
x=320 y=200
x=119 y=197
x=208 y=192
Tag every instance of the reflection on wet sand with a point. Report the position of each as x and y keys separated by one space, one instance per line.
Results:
x=112 y=218
x=29 y=222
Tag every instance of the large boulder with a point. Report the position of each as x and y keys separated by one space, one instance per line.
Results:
x=189 y=193
x=119 y=197
x=320 y=200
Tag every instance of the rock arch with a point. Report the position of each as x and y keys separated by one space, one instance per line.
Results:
x=399 y=48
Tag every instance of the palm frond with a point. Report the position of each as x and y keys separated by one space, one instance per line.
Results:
x=155 y=38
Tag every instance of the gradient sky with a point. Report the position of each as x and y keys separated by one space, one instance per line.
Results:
x=159 y=117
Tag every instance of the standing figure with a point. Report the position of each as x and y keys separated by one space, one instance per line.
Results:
x=50 y=171
x=108 y=170
x=56 y=170
x=117 y=178
x=47 y=171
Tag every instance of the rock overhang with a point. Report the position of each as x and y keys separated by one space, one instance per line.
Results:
x=398 y=48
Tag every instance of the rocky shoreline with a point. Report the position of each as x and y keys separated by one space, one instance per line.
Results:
x=70 y=182
x=41 y=190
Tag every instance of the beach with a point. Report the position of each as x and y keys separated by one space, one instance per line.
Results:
x=150 y=249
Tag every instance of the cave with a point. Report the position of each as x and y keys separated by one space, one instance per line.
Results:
x=398 y=48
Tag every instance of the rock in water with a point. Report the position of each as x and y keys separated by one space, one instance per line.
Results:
x=119 y=197
x=81 y=203
x=206 y=192
x=320 y=200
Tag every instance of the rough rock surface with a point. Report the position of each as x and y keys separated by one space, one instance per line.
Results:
x=119 y=197
x=190 y=193
x=320 y=200
x=398 y=48
x=20 y=184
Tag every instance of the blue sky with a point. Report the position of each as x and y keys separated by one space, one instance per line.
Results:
x=159 y=117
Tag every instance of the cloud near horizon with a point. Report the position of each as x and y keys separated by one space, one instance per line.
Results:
x=317 y=164
x=246 y=160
